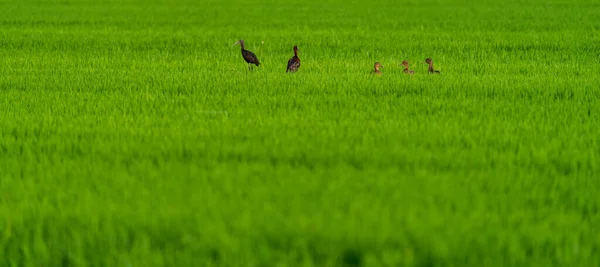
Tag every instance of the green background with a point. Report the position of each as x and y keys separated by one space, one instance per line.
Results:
x=131 y=133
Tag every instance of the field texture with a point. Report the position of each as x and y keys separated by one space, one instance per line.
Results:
x=132 y=134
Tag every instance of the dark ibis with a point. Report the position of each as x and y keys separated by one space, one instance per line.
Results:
x=249 y=57
x=431 y=70
x=406 y=70
x=294 y=62
x=377 y=71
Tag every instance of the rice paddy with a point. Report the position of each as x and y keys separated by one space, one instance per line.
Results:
x=133 y=134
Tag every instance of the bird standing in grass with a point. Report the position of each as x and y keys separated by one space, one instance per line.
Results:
x=294 y=62
x=249 y=57
x=406 y=70
x=377 y=71
x=431 y=70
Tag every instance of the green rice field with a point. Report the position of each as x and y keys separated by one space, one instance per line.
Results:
x=132 y=133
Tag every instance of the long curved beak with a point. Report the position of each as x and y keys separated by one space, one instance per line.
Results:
x=235 y=43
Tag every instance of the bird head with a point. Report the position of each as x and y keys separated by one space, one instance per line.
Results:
x=240 y=42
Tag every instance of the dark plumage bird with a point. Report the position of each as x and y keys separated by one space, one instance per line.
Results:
x=294 y=62
x=431 y=70
x=249 y=57
x=377 y=71
x=406 y=70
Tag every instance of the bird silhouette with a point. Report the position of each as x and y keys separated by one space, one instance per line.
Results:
x=249 y=57
x=294 y=62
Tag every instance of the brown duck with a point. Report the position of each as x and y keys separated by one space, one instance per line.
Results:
x=431 y=70
x=406 y=70
x=377 y=70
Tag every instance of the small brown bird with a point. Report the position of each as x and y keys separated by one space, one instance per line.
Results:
x=294 y=62
x=431 y=70
x=377 y=70
x=249 y=57
x=406 y=70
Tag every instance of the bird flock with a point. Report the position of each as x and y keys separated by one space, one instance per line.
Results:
x=407 y=70
x=294 y=63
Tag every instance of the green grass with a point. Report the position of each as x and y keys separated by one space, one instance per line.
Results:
x=131 y=133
